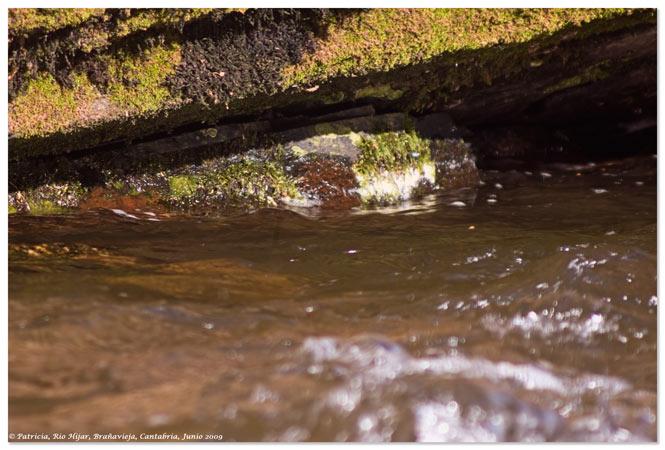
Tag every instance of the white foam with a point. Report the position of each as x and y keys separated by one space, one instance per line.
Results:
x=122 y=213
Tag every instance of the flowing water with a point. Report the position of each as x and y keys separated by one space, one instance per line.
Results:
x=524 y=309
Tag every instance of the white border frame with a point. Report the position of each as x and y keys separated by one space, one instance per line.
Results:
x=298 y=4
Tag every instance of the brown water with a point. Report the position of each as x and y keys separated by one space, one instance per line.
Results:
x=531 y=318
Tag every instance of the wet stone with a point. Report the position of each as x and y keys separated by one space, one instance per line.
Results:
x=327 y=181
x=329 y=144
x=340 y=164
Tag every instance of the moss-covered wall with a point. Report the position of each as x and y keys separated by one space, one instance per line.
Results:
x=383 y=39
x=80 y=78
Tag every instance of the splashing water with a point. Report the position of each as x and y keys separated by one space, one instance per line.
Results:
x=529 y=318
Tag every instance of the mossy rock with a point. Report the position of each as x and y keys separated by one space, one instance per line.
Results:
x=54 y=198
x=335 y=171
x=392 y=151
x=183 y=186
x=153 y=71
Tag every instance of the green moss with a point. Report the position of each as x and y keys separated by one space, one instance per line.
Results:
x=42 y=207
x=253 y=181
x=142 y=20
x=136 y=86
x=133 y=191
x=391 y=151
x=24 y=20
x=11 y=209
x=181 y=186
x=369 y=43
x=594 y=73
x=240 y=182
x=381 y=91
x=393 y=167
x=51 y=198
x=46 y=107
x=118 y=185
x=138 y=80
x=382 y=39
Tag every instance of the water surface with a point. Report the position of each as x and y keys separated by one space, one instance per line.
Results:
x=525 y=312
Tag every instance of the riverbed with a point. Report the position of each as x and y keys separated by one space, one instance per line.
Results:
x=521 y=310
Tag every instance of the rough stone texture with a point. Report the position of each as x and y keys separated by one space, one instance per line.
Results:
x=206 y=109
x=86 y=78
x=372 y=160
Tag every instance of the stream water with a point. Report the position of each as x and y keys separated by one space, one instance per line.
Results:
x=527 y=313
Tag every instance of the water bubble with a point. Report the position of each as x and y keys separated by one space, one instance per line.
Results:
x=458 y=204
x=366 y=423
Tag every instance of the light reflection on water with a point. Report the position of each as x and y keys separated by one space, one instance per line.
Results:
x=532 y=317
